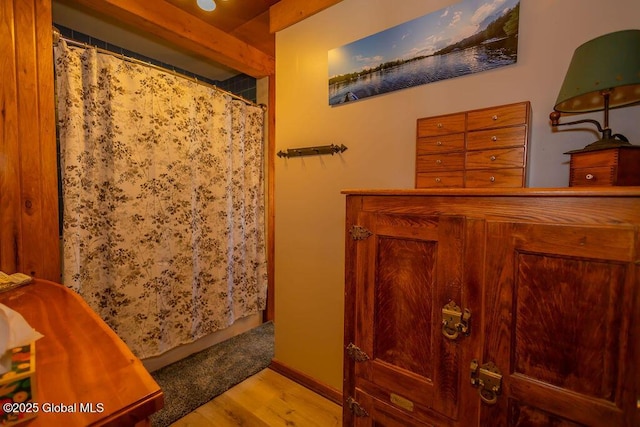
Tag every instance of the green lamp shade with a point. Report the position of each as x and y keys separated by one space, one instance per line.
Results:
x=608 y=62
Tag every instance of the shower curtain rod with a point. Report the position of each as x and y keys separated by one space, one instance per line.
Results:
x=58 y=36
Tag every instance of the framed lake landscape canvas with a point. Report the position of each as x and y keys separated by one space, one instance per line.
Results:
x=467 y=37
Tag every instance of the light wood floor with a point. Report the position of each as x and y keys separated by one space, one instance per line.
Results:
x=264 y=400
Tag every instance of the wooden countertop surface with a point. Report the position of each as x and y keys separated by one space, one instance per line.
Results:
x=81 y=360
x=605 y=191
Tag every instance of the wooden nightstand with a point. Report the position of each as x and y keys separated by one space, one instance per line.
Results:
x=608 y=167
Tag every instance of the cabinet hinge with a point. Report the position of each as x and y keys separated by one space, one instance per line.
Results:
x=356 y=353
x=359 y=233
x=355 y=408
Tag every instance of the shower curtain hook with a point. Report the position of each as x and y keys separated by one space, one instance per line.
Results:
x=56 y=35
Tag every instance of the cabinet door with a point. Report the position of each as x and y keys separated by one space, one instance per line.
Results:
x=561 y=302
x=411 y=268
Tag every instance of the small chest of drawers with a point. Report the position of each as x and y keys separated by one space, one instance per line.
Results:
x=477 y=148
x=608 y=167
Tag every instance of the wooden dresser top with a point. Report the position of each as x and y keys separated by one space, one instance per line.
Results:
x=81 y=360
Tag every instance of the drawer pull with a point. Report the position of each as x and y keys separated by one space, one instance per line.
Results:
x=438 y=162
x=439 y=125
x=494 y=138
x=438 y=180
x=493 y=158
x=439 y=143
x=492 y=179
x=589 y=176
x=495 y=117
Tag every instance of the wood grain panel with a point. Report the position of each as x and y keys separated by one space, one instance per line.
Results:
x=566 y=325
x=403 y=299
x=449 y=282
x=407 y=226
x=487 y=203
x=28 y=177
x=30 y=164
x=10 y=236
x=49 y=240
x=597 y=243
x=527 y=416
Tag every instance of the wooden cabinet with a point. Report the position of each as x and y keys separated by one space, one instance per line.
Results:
x=612 y=166
x=478 y=148
x=481 y=307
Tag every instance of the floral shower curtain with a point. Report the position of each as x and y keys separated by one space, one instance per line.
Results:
x=162 y=188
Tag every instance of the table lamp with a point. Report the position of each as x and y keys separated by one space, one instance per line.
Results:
x=604 y=74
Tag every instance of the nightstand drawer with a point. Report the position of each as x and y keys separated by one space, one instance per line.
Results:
x=492 y=159
x=496 y=138
x=440 y=179
x=495 y=178
x=440 y=162
x=441 y=125
x=440 y=144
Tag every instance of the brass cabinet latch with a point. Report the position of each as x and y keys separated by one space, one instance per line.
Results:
x=356 y=353
x=355 y=408
x=488 y=379
x=455 y=321
x=359 y=233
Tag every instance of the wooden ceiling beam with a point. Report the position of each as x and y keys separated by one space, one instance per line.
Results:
x=288 y=12
x=256 y=31
x=174 y=25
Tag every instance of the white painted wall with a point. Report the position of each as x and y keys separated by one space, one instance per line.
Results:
x=380 y=135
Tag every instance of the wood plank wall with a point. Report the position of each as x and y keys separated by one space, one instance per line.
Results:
x=29 y=237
